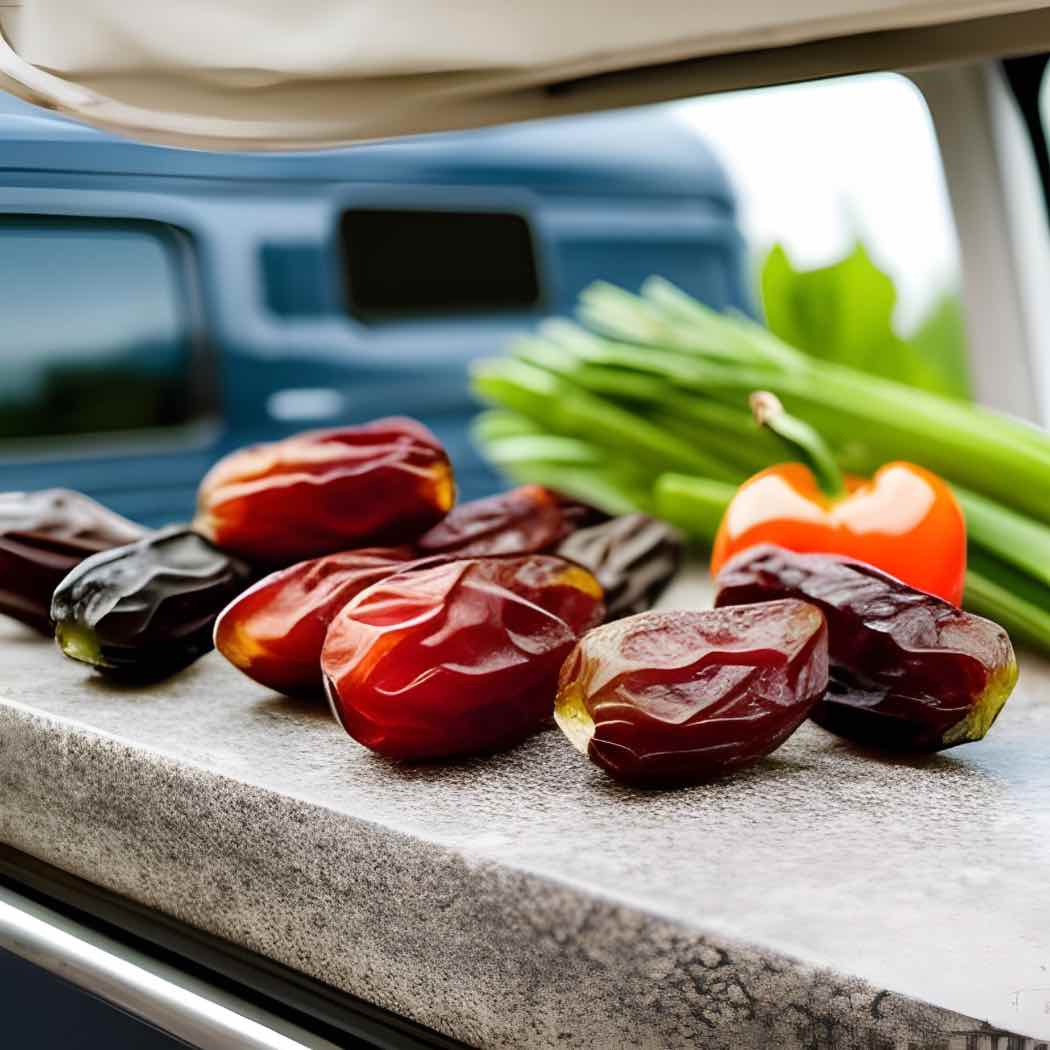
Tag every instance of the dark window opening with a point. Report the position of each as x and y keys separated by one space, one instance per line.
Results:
x=413 y=262
x=96 y=335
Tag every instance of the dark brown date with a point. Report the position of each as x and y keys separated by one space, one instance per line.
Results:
x=908 y=670
x=577 y=514
x=458 y=659
x=45 y=534
x=145 y=611
x=522 y=521
x=667 y=698
x=633 y=557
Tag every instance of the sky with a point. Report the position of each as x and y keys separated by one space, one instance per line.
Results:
x=816 y=165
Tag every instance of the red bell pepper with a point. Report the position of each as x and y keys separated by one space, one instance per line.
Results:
x=905 y=520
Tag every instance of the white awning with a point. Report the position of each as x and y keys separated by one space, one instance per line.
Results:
x=285 y=74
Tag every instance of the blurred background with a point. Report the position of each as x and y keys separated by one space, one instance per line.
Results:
x=160 y=306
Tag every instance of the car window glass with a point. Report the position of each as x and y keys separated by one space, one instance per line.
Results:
x=95 y=335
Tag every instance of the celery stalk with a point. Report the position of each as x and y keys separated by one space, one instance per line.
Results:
x=1025 y=621
x=695 y=505
x=649 y=409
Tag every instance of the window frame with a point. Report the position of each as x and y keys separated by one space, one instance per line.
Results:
x=999 y=204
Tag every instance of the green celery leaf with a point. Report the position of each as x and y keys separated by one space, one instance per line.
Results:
x=844 y=313
x=940 y=339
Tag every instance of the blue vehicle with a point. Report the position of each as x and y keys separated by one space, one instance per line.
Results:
x=160 y=306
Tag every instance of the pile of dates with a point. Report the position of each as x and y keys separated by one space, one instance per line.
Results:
x=668 y=698
x=336 y=564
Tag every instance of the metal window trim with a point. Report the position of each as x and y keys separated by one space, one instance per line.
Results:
x=1003 y=230
x=338 y=1015
x=178 y=1005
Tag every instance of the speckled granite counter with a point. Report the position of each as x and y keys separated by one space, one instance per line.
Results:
x=826 y=899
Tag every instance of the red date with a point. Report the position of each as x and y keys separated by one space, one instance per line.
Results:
x=909 y=671
x=458 y=659
x=275 y=630
x=670 y=698
x=633 y=557
x=325 y=491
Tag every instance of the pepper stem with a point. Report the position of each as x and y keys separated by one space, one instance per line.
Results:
x=803 y=439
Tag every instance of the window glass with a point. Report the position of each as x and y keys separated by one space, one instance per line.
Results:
x=95 y=335
x=417 y=262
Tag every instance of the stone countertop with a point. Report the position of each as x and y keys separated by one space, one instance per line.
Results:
x=826 y=898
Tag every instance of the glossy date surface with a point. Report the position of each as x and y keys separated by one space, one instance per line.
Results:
x=146 y=610
x=670 y=698
x=275 y=630
x=633 y=557
x=45 y=534
x=325 y=491
x=909 y=670
x=458 y=659
x=524 y=520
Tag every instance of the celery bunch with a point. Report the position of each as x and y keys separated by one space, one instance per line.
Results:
x=644 y=404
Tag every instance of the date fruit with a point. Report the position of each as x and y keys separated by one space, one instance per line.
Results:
x=43 y=535
x=633 y=557
x=458 y=659
x=325 y=491
x=275 y=630
x=145 y=611
x=909 y=671
x=577 y=514
x=671 y=698
x=522 y=521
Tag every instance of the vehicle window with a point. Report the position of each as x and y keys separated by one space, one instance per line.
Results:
x=416 y=262
x=95 y=333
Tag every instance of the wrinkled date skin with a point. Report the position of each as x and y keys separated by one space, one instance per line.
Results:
x=325 y=491
x=275 y=630
x=43 y=535
x=633 y=557
x=909 y=671
x=522 y=521
x=577 y=514
x=671 y=698
x=458 y=659
x=145 y=611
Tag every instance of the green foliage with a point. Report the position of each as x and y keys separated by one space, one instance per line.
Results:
x=844 y=313
x=941 y=340
x=645 y=406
